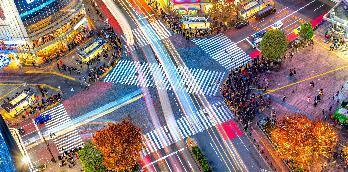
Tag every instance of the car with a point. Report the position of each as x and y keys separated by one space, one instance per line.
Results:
x=259 y=34
x=277 y=25
x=241 y=24
x=257 y=38
x=42 y=119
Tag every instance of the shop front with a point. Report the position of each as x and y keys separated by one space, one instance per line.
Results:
x=189 y=7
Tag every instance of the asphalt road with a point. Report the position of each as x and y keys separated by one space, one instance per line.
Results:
x=151 y=111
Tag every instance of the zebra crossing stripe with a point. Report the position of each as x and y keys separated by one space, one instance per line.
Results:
x=193 y=81
x=154 y=138
x=164 y=135
x=152 y=141
x=160 y=138
x=186 y=126
x=148 y=143
x=181 y=128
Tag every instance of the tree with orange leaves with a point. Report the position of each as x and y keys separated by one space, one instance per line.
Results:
x=302 y=142
x=120 y=145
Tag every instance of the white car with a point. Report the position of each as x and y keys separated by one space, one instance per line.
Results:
x=277 y=25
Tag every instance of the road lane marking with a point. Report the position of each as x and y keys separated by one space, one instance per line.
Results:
x=306 y=79
x=282 y=18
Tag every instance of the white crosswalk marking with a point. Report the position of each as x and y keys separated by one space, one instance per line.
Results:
x=207 y=118
x=194 y=81
x=142 y=40
x=69 y=140
x=223 y=50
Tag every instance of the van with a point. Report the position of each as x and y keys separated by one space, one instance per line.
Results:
x=265 y=12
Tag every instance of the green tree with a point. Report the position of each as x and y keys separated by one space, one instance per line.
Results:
x=274 y=44
x=306 y=31
x=91 y=158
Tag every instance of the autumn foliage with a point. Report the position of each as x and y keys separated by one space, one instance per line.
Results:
x=120 y=145
x=302 y=142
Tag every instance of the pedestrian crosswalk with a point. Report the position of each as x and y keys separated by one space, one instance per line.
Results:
x=194 y=81
x=141 y=40
x=206 y=118
x=69 y=140
x=223 y=50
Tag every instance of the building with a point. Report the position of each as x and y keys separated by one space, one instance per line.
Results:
x=37 y=30
x=12 y=30
x=338 y=17
x=10 y=155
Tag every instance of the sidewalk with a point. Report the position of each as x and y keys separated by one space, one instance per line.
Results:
x=267 y=150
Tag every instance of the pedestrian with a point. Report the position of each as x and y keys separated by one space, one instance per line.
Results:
x=321 y=92
x=308 y=99
x=315 y=103
x=284 y=97
x=323 y=111
x=294 y=71
x=318 y=98
x=312 y=84
x=330 y=108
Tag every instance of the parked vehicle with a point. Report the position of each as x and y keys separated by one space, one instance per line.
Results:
x=257 y=38
x=241 y=24
x=42 y=119
x=277 y=25
x=265 y=12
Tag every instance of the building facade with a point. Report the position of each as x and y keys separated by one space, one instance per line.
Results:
x=12 y=30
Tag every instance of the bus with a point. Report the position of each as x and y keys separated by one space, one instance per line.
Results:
x=265 y=12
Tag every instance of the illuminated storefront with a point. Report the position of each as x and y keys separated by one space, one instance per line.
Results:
x=189 y=6
x=42 y=29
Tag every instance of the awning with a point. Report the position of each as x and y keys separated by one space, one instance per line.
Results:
x=292 y=36
x=255 y=54
x=315 y=22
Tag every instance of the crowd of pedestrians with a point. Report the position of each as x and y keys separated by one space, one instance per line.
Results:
x=68 y=158
x=174 y=21
x=335 y=40
x=239 y=91
x=91 y=70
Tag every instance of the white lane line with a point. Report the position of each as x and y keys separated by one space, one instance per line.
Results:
x=280 y=19
x=164 y=157
x=319 y=7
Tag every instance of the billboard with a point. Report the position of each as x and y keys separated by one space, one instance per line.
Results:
x=32 y=11
x=185 y=1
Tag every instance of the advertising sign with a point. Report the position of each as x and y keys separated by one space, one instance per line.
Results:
x=32 y=11
x=185 y=1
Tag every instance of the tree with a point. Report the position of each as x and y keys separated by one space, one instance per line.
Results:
x=91 y=158
x=226 y=12
x=274 y=44
x=306 y=31
x=302 y=142
x=120 y=145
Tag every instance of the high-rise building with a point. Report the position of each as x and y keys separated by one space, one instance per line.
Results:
x=11 y=26
x=37 y=30
x=10 y=155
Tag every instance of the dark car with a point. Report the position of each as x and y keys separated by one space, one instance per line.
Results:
x=42 y=119
x=241 y=24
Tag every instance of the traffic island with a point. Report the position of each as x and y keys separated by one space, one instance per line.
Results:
x=198 y=155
